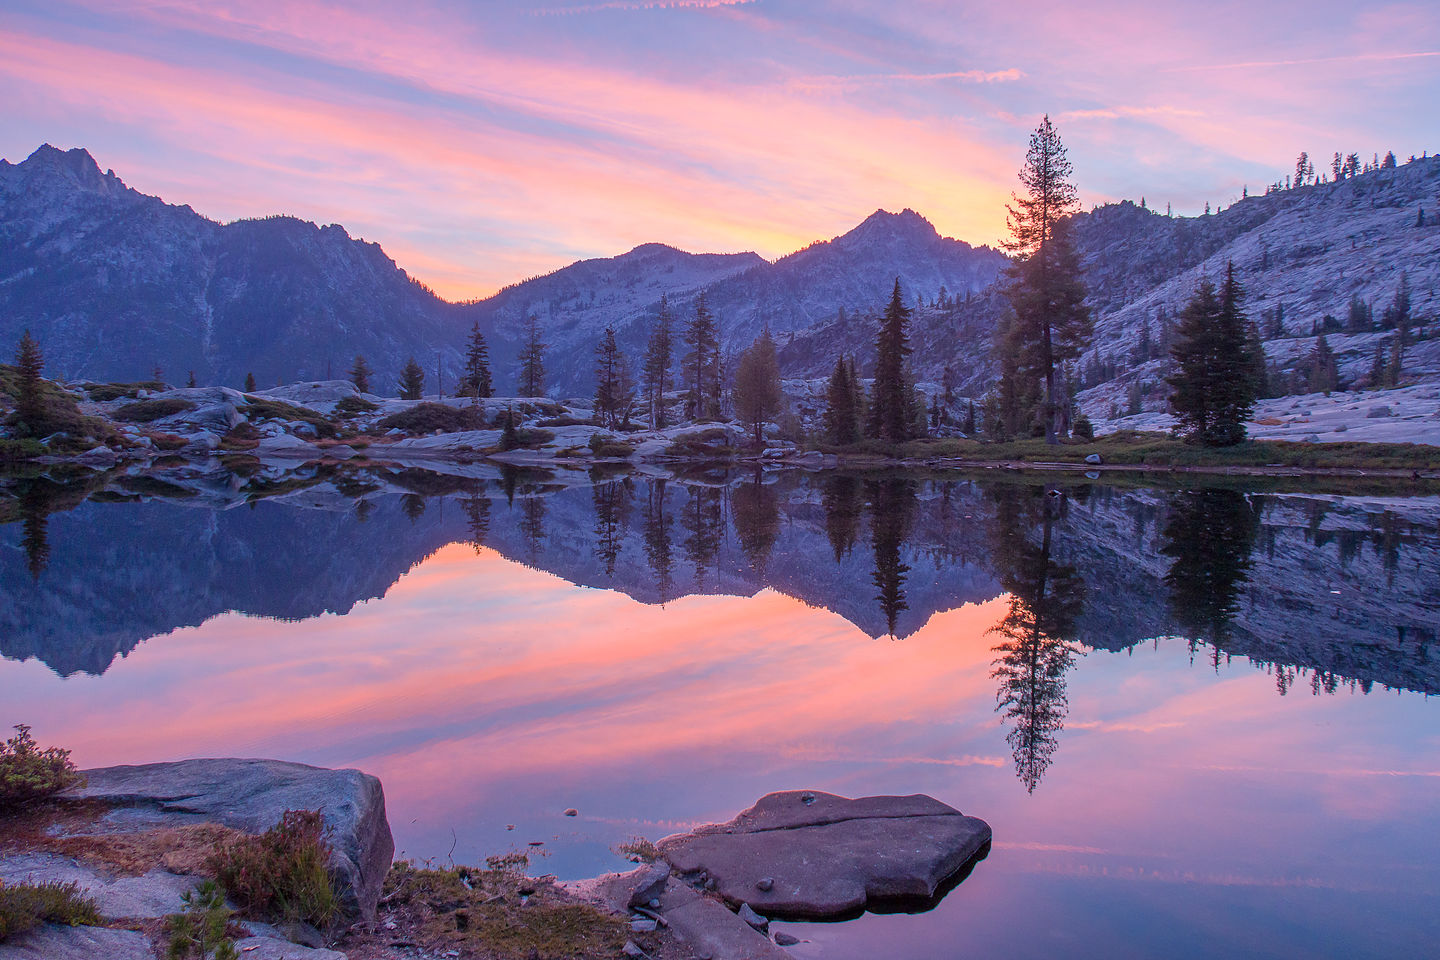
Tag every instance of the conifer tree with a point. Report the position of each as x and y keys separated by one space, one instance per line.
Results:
x=531 y=381
x=190 y=380
x=477 y=381
x=412 y=381
x=29 y=365
x=891 y=417
x=841 y=424
x=1214 y=387
x=1324 y=373
x=249 y=383
x=613 y=394
x=702 y=364
x=1052 y=323
x=758 y=398
x=655 y=371
x=360 y=374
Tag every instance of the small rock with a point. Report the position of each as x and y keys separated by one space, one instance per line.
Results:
x=649 y=884
x=1093 y=458
x=807 y=798
x=509 y=826
x=765 y=884
x=654 y=904
x=753 y=918
x=786 y=940
x=631 y=950
x=537 y=843
x=643 y=926
x=572 y=812
x=1377 y=412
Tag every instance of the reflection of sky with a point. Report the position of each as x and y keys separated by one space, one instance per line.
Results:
x=484 y=694
x=485 y=142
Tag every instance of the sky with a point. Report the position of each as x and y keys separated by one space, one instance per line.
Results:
x=484 y=142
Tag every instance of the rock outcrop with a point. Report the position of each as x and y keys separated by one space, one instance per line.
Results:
x=252 y=795
x=811 y=855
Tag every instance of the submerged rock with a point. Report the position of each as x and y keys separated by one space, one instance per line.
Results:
x=826 y=855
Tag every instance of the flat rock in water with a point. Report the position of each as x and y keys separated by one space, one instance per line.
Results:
x=828 y=855
x=252 y=795
x=55 y=942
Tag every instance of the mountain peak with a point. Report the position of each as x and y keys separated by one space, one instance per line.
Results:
x=74 y=165
x=906 y=223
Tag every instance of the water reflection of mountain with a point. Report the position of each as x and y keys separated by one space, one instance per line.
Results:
x=1250 y=576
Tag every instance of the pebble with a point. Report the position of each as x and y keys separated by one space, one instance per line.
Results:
x=786 y=940
x=753 y=918
x=643 y=926
x=765 y=884
x=572 y=812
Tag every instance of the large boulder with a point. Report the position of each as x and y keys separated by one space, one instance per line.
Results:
x=812 y=855
x=252 y=795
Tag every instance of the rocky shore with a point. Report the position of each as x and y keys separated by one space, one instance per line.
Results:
x=133 y=839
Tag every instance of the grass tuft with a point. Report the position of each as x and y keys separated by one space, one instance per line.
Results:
x=144 y=411
x=284 y=872
x=26 y=905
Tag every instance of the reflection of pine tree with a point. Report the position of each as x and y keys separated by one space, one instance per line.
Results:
x=35 y=505
x=892 y=506
x=1037 y=652
x=756 y=512
x=704 y=520
x=477 y=520
x=612 y=508
x=657 y=540
x=1210 y=534
x=532 y=525
x=413 y=506
x=843 y=506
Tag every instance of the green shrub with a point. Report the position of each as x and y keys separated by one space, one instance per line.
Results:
x=1083 y=428
x=429 y=417
x=605 y=446
x=199 y=932
x=354 y=406
x=565 y=421
x=26 y=905
x=284 y=872
x=28 y=773
x=710 y=443
x=21 y=449
x=264 y=408
x=143 y=411
x=105 y=392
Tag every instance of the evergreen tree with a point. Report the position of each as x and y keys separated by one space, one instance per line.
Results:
x=1324 y=372
x=190 y=380
x=476 y=381
x=29 y=365
x=968 y=427
x=858 y=401
x=249 y=383
x=532 y=360
x=841 y=424
x=1378 y=368
x=655 y=373
x=613 y=395
x=412 y=381
x=757 y=395
x=1052 y=323
x=702 y=364
x=360 y=374
x=1397 y=314
x=891 y=417
x=1214 y=387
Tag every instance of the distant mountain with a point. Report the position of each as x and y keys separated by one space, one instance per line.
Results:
x=115 y=283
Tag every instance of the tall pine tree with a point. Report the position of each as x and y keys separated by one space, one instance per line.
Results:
x=842 y=424
x=29 y=365
x=891 y=416
x=532 y=360
x=360 y=374
x=1052 y=323
x=702 y=364
x=477 y=381
x=412 y=381
x=655 y=372
x=758 y=397
x=1214 y=388
x=612 y=384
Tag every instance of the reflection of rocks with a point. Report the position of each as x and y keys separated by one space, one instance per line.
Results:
x=826 y=856
x=252 y=795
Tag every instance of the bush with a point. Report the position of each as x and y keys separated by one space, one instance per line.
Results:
x=429 y=417
x=354 y=406
x=1083 y=428
x=26 y=905
x=264 y=408
x=105 y=392
x=566 y=421
x=21 y=449
x=284 y=872
x=199 y=932
x=711 y=443
x=28 y=773
x=605 y=446
x=143 y=411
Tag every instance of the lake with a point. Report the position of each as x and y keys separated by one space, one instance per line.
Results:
x=1198 y=718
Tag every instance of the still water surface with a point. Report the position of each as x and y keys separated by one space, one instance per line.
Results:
x=1198 y=721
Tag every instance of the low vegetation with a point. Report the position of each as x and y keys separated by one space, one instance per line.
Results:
x=28 y=773
x=283 y=873
x=429 y=417
x=144 y=411
x=355 y=406
x=55 y=411
x=712 y=443
x=265 y=408
x=27 y=905
x=106 y=392
x=499 y=913
x=201 y=932
x=638 y=850
x=608 y=447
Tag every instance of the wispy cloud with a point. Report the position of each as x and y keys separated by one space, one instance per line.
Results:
x=857 y=81
x=638 y=5
x=1305 y=61
x=1119 y=113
